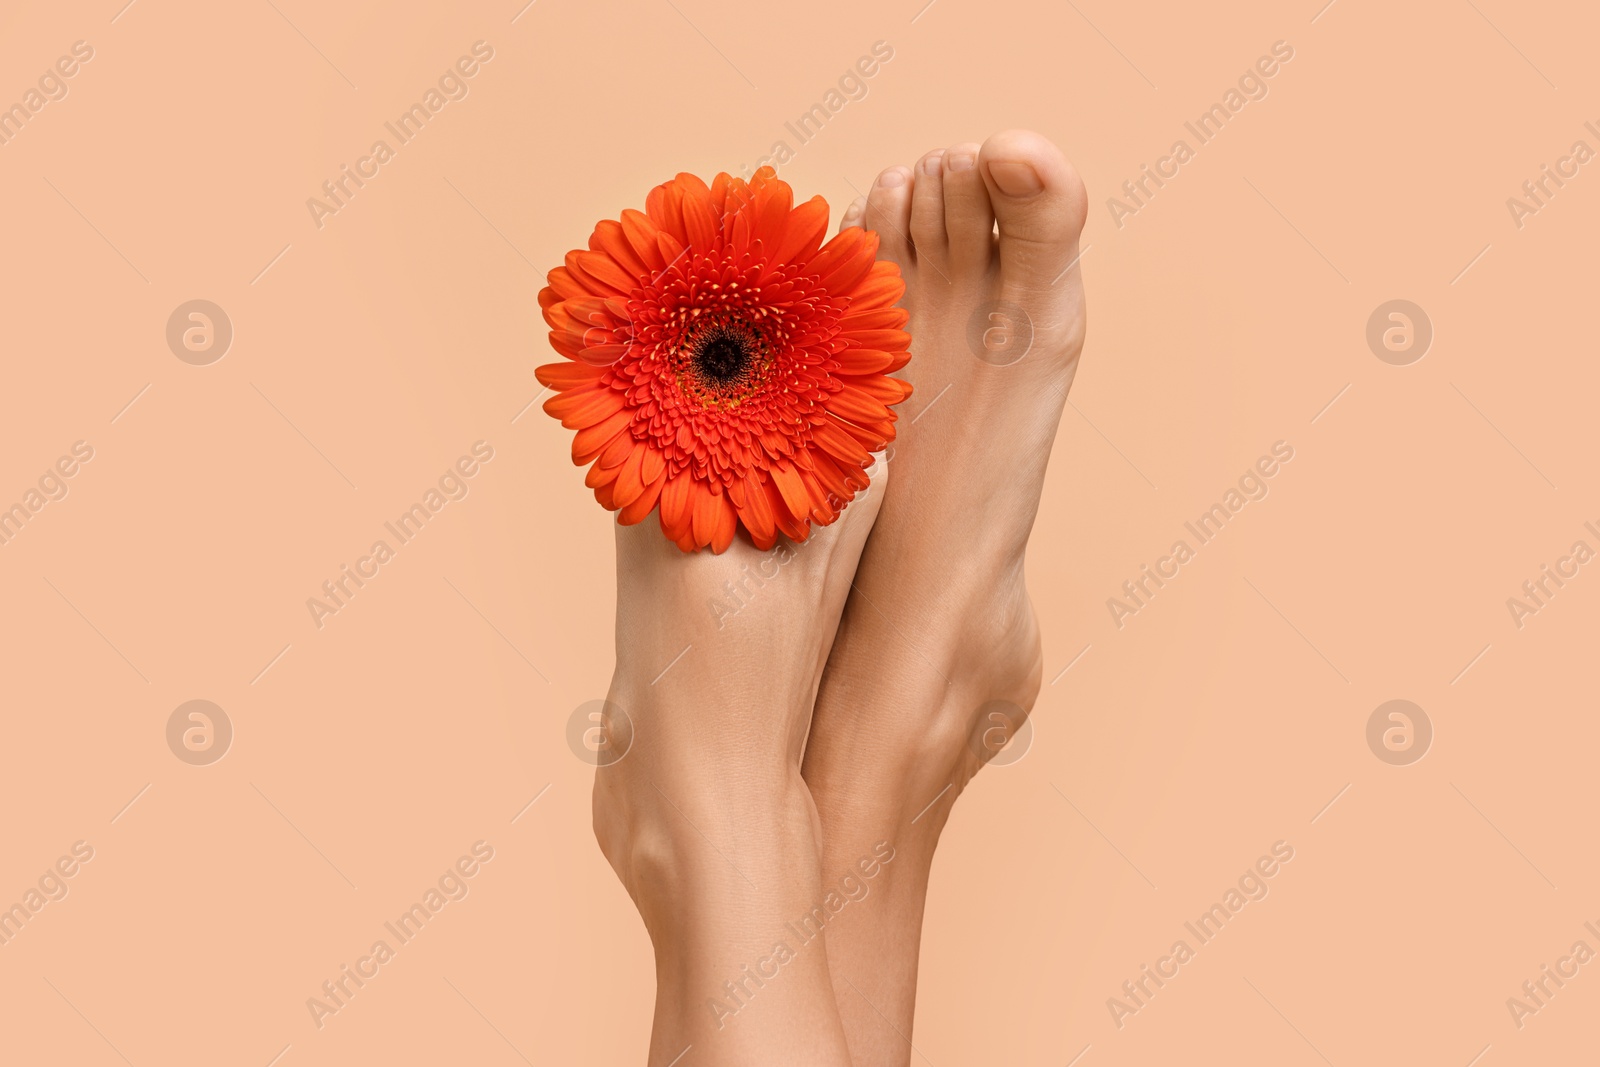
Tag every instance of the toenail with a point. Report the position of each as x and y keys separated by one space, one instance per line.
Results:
x=1016 y=179
x=889 y=179
x=960 y=160
x=932 y=164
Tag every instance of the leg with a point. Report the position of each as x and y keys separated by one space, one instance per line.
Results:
x=706 y=819
x=939 y=622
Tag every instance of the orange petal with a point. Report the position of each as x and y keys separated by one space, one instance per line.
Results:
x=874 y=318
x=883 y=286
x=803 y=236
x=769 y=213
x=792 y=489
x=628 y=486
x=863 y=361
x=608 y=237
x=705 y=517
x=664 y=206
x=857 y=406
x=845 y=260
x=872 y=439
x=757 y=511
x=675 y=513
x=719 y=192
x=592 y=285
x=698 y=221
x=643 y=504
x=839 y=444
x=641 y=236
x=882 y=340
x=670 y=246
x=834 y=480
x=584 y=407
x=600 y=266
x=654 y=464
x=727 y=525
x=566 y=375
x=564 y=285
x=618 y=451
x=591 y=439
x=887 y=390
x=599 y=476
x=825 y=507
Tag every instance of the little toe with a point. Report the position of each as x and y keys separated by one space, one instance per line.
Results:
x=853 y=214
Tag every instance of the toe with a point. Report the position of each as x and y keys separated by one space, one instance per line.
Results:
x=1039 y=202
x=967 y=215
x=889 y=214
x=853 y=214
x=927 y=209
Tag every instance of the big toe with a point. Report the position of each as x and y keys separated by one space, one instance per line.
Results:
x=1039 y=203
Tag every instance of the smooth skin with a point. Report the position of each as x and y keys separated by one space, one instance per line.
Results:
x=834 y=713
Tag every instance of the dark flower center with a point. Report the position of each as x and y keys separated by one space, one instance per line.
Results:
x=721 y=359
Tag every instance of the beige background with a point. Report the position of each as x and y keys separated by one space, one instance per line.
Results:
x=1227 y=314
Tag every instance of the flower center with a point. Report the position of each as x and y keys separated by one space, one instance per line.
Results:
x=721 y=358
x=723 y=363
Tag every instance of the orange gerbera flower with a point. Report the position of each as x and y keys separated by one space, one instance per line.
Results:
x=723 y=365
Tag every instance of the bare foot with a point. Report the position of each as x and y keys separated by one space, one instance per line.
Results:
x=939 y=623
x=705 y=818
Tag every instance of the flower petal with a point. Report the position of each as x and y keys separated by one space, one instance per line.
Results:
x=706 y=507
x=566 y=375
x=643 y=504
x=675 y=511
x=757 y=511
x=592 y=439
x=727 y=524
x=808 y=223
x=584 y=407
x=628 y=486
x=792 y=489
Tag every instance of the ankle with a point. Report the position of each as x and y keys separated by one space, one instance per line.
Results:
x=682 y=834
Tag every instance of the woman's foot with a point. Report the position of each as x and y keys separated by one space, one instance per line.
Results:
x=705 y=818
x=938 y=632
